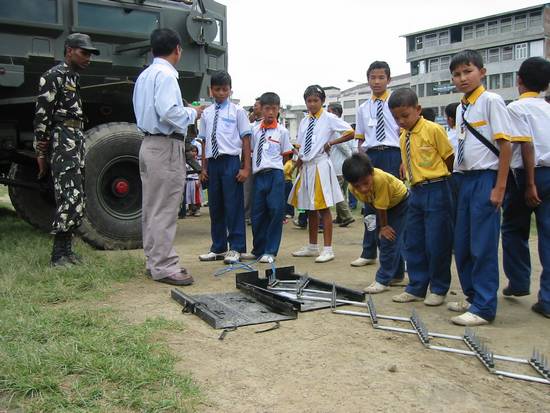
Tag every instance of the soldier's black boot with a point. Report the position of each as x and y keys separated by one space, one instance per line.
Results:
x=69 y=253
x=59 y=257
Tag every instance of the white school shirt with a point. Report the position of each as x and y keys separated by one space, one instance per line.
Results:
x=531 y=123
x=339 y=153
x=232 y=126
x=325 y=126
x=277 y=143
x=487 y=113
x=365 y=128
x=157 y=101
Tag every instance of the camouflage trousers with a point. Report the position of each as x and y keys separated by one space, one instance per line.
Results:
x=67 y=164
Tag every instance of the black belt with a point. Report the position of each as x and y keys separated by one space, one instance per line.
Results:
x=382 y=148
x=266 y=170
x=176 y=136
x=430 y=181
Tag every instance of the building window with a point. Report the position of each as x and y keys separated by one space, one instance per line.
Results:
x=348 y=104
x=508 y=80
x=494 y=81
x=483 y=54
x=506 y=25
x=420 y=90
x=535 y=19
x=492 y=27
x=507 y=53
x=414 y=68
x=493 y=55
x=422 y=67
x=361 y=101
x=433 y=65
x=443 y=37
x=444 y=62
x=349 y=118
x=521 y=51
x=419 y=42
x=431 y=88
x=430 y=40
x=480 y=30
x=468 y=32
x=520 y=22
x=536 y=48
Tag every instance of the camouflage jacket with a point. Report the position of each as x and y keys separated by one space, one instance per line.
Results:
x=58 y=98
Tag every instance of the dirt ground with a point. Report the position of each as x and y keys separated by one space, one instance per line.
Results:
x=323 y=362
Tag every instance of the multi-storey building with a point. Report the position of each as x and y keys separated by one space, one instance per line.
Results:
x=504 y=40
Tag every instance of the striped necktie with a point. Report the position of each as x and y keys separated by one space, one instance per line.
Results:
x=215 y=149
x=408 y=150
x=380 y=132
x=260 y=148
x=309 y=135
x=460 y=155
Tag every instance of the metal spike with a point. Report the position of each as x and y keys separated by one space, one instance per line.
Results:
x=372 y=312
x=333 y=296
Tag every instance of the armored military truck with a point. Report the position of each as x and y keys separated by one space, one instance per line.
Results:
x=32 y=33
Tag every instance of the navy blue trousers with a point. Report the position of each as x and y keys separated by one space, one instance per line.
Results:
x=516 y=227
x=429 y=238
x=476 y=242
x=389 y=160
x=268 y=212
x=289 y=209
x=391 y=252
x=226 y=203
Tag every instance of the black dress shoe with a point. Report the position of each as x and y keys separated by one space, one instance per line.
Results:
x=177 y=279
x=345 y=223
x=537 y=308
x=508 y=292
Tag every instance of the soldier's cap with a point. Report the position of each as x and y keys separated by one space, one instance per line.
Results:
x=82 y=41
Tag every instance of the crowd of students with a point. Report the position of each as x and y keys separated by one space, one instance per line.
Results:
x=427 y=193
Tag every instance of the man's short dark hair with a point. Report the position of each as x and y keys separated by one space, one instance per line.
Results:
x=336 y=107
x=270 y=98
x=315 y=90
x=404 y=97
x=429 y=114
x=164 y=42
x=220 y=78
x=450 y=110
x=535 y=73
x=379 y=64
x=356 y=167
x=466 y=57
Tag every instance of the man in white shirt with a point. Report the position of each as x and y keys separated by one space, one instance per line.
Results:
x=163 y=118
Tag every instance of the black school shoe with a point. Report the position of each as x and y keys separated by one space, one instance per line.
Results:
x=345 y=223
x=508 y=292
x=537 y=308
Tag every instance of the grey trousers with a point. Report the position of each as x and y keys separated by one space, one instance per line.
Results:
x=343 y=212
x=162 y=170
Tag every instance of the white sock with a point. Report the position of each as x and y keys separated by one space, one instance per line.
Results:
x=328 y=249
x=313 y=247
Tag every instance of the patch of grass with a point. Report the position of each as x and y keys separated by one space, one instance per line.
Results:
x=60 y=351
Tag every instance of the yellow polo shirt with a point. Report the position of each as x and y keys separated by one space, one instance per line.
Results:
x=430 y=147
x=387 y=191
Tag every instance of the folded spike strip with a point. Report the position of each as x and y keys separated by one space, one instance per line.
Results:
x=480 y=349
x=540 y=363
x=420 y=328
x=372 y=312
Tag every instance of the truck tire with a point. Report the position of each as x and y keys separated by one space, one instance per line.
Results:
x=35 y=207
x=112 y=185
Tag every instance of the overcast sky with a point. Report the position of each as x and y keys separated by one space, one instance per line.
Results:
x=285 y=45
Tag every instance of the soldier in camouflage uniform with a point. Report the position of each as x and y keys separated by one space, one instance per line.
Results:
x=59 y=141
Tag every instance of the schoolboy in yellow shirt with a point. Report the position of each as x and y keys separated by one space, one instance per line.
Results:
x=388 y=196
x=427 y=162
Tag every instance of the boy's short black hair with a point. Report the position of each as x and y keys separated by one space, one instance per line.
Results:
x=429 y=114
x=164 y=42
x=466 y=57
x=450 y=110
x=356 y=167
x=220 y=78
x=336 y=107
x=379 y=64
x=270 y=98
x=535 y=73
x=315 y=90
x=404 y=97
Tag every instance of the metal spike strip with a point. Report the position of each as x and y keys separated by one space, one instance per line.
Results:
x=271 y=279
x=480 y=349
x=540 y=363
x=301 y=284
x=420 y=328
x=372 y=312
x=333 y=296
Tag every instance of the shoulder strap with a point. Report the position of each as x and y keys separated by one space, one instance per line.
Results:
x=481 y=138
